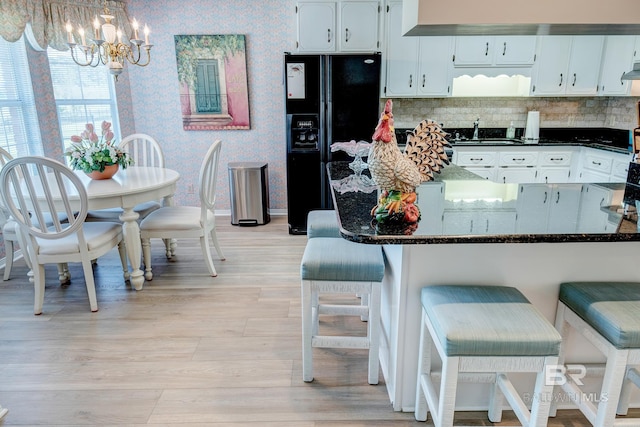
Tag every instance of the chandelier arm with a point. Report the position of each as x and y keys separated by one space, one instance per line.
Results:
x=86 y=49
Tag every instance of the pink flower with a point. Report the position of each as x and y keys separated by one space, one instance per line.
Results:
x=75 y=138
x=93 y=137
x=105 y=126
x=85 y=134
x=108 y=136
x=89 y=127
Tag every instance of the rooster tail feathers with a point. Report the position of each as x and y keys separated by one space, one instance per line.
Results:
x=426 y=148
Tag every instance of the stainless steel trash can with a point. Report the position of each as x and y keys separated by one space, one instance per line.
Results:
x=249 y=192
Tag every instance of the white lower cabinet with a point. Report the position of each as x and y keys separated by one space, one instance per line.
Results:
x=602 y=166
x=431 y=204
x=592 y=219
x=547 y=208
x=478 y=222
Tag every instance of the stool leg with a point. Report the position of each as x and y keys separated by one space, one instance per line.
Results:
x=542 y=395
x=563 y=328
x=424 y=368
x=307 y=350
x=611 y=385
x=631 y=377
x=373 y=332
x=448 y=388
x=496 y=401
x=364 y=300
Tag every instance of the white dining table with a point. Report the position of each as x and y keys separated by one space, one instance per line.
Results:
x=128 y=188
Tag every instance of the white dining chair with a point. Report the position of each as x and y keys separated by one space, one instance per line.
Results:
x=46 y=188
x=171 y=222
x=145 y=151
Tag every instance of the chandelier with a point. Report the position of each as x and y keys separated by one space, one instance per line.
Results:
x=106 y=50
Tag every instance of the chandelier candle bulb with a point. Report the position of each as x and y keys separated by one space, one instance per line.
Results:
x=69 y=33
x=96 y=29
x=134 y=24
x=81 y=32
x=146 y=35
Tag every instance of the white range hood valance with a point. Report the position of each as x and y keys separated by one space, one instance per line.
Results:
x=520 y=17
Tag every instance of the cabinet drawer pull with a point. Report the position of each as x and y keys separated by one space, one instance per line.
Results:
x=346 y=35
x=486 y=50
x=560 y=79
x=596 y=163
x=424 y=80
x=556 y=159
x=518 y=159
x=410 y=80
x=328 y=35
x=558 y=198
x=545 y=198
x=504 y=49
x=574 y=80
x=476 y=159
x=621 y=82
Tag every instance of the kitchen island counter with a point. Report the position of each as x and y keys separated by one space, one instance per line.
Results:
x=542 y=235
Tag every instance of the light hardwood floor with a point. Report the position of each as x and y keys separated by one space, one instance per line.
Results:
x=188 y=349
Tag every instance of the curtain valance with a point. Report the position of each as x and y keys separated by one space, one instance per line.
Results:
x=48 y=18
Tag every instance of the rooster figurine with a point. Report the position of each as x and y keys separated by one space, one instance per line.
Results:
x=399 y=173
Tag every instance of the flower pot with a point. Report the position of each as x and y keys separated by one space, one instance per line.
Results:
x=109 y=171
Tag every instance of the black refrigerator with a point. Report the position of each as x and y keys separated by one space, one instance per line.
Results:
x=329 y=98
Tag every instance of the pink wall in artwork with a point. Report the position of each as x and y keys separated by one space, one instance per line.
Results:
x=236 y=80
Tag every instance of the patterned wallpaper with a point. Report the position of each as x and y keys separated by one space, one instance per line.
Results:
x=155 y=101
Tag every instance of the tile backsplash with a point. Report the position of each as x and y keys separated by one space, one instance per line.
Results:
x=605 y=112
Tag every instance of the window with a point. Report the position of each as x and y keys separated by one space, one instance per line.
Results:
x=83 y=95
x=19 y=130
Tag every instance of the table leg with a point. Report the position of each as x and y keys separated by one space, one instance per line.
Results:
x=131 y=232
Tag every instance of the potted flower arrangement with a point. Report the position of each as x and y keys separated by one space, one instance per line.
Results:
x=97 y=156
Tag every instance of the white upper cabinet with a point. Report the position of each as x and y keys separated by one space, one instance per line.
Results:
x=359 y=24
x=617 y=59
x=415 y=66
x=567 y=65
x=316 y=26
x=329 y=26
x=482 y=51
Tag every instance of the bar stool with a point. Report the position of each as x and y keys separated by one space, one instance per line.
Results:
x=473 y=330
x=334 y=266
x=607 y=314
x=322 y=223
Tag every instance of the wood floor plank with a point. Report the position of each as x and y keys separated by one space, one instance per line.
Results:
x=189 y=349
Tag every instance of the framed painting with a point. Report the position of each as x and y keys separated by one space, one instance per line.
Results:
x=214 y=91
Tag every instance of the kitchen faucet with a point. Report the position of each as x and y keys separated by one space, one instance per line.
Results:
x=475 y=128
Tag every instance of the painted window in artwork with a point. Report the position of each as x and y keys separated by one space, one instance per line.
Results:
x=208 y=87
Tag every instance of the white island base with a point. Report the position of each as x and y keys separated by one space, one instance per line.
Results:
x=536 y=269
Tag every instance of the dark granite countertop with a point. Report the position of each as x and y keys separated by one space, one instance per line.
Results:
x=467 y=195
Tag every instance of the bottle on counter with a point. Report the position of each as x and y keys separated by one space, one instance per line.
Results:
x=511 y=131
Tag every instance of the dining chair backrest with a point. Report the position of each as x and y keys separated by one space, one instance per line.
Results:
x=5 y=158
x=49 y=192
x=209 y=177
x=143 y=149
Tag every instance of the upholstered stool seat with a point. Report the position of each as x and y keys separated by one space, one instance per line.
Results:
x=608 y=315
x=473 y=330
x=322 y=223
x=331 y=265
